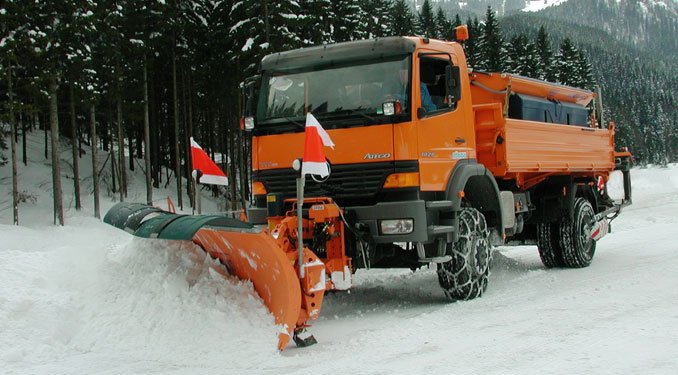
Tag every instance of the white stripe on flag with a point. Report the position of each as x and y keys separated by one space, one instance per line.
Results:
x=214 y=180
x=312 y=121
x=314 y=167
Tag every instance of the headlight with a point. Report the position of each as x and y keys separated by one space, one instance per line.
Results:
x=397 y=226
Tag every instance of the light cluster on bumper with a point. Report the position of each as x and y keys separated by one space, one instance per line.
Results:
x=396 y=226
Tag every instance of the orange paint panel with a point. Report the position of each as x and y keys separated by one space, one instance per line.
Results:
x=353 y=145
x=434 y=174
x=539 y=147
x=405 y=145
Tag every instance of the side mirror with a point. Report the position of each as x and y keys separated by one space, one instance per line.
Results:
x=249 y=101
x=453 y=83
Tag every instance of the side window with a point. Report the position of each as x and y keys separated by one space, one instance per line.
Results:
x=434 y=95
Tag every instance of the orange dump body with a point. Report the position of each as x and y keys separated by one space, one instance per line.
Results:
x=530 y=151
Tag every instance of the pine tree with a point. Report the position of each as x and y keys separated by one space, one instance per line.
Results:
x=546 y=70
x=443 y=26
x=457 y=21
x=401 y=19
x=374 y=19
x=566 y=61
x=314 y=22
x=584 y=71
x=517 y=51
x=491 y=45
x=345 y=24
x=426 y=21
x=472 y=45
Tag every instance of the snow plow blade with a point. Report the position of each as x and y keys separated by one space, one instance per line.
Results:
x=246 y=252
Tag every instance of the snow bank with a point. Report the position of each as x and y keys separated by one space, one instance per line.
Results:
x=89 y=292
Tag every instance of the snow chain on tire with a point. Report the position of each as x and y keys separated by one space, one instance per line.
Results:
x=577 y=246
x=465 y=276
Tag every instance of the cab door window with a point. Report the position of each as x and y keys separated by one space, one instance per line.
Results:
x=433 y=89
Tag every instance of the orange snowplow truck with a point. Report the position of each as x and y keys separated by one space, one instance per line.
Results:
x=435 y=163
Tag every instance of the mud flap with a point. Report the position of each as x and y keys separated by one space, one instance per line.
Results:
x=247 y=252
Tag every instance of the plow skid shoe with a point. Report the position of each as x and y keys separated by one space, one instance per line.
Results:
x=246 y=251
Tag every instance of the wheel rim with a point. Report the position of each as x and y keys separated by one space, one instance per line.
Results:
x=585 y=242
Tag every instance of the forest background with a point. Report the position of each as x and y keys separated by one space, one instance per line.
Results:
x=136 y=79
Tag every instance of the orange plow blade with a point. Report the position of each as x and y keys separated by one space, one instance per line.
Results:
x=254 y=257
x=246 y=251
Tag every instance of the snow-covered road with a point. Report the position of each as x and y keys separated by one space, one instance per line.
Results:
x=87 y=298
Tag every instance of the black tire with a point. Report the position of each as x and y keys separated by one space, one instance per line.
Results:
x=465 y=276
x=548 y=243
x=577 y=246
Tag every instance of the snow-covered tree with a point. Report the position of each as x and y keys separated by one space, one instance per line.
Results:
x=401 y=19
x=426 y=20
x=491 y=45
x=443 y=25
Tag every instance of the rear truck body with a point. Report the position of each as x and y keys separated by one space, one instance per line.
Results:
x=433 y=163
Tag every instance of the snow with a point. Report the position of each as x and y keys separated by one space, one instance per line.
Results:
x=248 y=44
x=88 y=298
x=537 y=5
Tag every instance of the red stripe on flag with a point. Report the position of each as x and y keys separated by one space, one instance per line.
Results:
x=203 y=163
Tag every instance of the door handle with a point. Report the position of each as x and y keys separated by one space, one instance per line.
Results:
x=459 y=140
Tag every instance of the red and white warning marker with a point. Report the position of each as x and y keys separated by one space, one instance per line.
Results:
x=313 y=161
x=205 y=171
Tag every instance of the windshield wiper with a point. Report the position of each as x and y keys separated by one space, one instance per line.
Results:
x=347 y=112
x=292 y=121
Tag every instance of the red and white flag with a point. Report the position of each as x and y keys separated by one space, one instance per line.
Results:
x=206 y=171
x=313 y=161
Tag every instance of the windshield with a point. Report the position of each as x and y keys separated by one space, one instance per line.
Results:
x=335 y=93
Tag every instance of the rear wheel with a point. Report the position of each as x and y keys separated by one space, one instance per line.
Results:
x=548 y=243
x=577 y=245
x=465 y=276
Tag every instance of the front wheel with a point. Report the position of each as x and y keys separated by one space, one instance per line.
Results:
x=465 y=276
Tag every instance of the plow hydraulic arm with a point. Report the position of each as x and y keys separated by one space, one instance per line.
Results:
x=267 y=259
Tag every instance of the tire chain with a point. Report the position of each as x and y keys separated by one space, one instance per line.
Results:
x=465 y=276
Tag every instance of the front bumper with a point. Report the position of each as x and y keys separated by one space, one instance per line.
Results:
x=368 y=217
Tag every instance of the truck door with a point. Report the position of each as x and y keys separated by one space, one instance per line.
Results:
x=445 y=134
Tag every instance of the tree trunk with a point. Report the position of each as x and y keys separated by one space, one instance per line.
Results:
x=154 y=126
x=187 y=141
x=190 y=135
x=231 y=167
x=46 y=142
x=121 y=154
x=56 y=164
x=74 y=147
x=95 y=169
x=23 y=142
x=15 y=181
x=177 y=150
x=130 y=149
x=111 y=150
x=147 y=139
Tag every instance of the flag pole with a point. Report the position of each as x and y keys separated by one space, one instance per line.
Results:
x=300 y=235
x=197 y=198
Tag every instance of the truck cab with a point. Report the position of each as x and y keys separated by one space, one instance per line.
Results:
x=388 y=105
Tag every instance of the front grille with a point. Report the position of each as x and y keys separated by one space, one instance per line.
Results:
x=348 y=184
